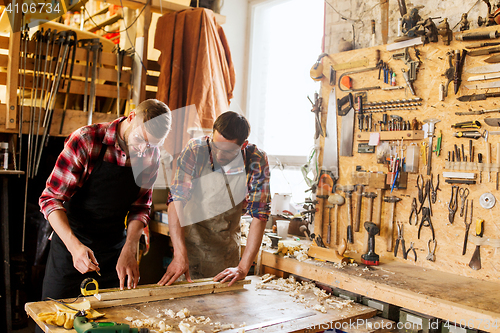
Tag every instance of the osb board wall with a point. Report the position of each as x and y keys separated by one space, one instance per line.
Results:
x=449 y=237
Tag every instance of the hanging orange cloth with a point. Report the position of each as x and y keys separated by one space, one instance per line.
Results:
x=195 y=70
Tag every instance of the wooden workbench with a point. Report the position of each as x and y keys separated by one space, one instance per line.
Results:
x=435 y=293
x=251 y=308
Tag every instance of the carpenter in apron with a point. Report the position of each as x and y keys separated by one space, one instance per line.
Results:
x=212 y=218
x=96 y=214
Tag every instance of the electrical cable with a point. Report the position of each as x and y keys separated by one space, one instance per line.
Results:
x=131 y=24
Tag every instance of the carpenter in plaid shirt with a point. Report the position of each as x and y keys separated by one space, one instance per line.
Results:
x=218 y=177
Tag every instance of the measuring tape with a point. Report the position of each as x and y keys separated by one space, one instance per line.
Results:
x=89 y=282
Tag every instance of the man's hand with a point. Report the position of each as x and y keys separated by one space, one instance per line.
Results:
x=127 y=267
x=83 y=259
x=232 y=273
x=177 y=267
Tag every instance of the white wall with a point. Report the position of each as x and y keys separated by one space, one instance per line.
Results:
x=235 y=28
x=360 y=12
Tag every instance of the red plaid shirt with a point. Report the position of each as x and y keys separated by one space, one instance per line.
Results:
x=195 y=156
x=77 y=160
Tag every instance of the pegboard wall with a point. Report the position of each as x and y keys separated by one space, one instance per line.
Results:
x=449 y=237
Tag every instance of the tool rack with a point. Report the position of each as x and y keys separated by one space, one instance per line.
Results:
x=106 y=86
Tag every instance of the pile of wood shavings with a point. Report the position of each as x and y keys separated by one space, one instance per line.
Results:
x=297 y=289
x=186 y=325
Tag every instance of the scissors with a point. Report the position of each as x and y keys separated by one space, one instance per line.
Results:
x=463 y=193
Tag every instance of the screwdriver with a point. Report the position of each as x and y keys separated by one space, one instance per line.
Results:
x=480 y=160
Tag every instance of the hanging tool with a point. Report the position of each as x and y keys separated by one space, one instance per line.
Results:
x=434 y=189
x=413 y=211
x=479 y=45
x=426 y=217
x=487 y=200
x=347 y=131
x=488 y=159
x=68 y=83
x=477 y=35
x=438 y=144
x=390 y=224
x=23 y=61
x=485 y=85
x=467 y=124
x=359 y=197
x=459 y=64
x=468 y=134
x=316 y=109
x=431 y=122
x=495 y=122
x=66 y=40
x=484 y=69
x=330 y=151
x=477 y=97
x=361 y=116
x=453 y=204
x=370 y=258
x=478 y=112
x=467 y=225
x=401 y=240
x=411 y=248
x=463 y=193
x=498 y=162
x=490 y=50
x=348 y=189
x=493 y=59
x=449 y=73
x=336 y=200
x=431 y=256
x=370 y=196
x=484 y=77
x=475 y=261
x=480 y=167
x=355 y=72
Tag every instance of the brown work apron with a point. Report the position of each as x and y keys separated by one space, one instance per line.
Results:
x=213 y=244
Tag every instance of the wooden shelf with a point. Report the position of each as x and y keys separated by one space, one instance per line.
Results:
x=392 y=135
x=111 y=20
x=435 y=293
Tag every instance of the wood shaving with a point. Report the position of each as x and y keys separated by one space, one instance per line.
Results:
x=296 y=289
x=186 y=328
x=184 y=313
x=129 y=318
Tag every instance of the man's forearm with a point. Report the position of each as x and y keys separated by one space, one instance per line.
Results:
x=59 y=222
x=176 y=231
x=134 y=232
x=254 y=241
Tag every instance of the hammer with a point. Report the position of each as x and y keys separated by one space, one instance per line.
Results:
x=370 y=196
x=390 y=225
x=348 y=189
x=359 y=192
x=336 y=200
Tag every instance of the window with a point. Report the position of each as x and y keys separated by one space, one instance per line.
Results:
x=285 y=41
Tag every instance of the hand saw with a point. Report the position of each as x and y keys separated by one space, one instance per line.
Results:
x=347 y=131
x=330 y=151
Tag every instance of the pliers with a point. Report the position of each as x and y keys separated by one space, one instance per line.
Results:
x=453 y=204
x=400 y=238
x=414 y=251
x=434 y=189
x=426 y=217
x=431 y=253
x=413 y=211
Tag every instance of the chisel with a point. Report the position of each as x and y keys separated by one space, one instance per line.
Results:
x=475 y=262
